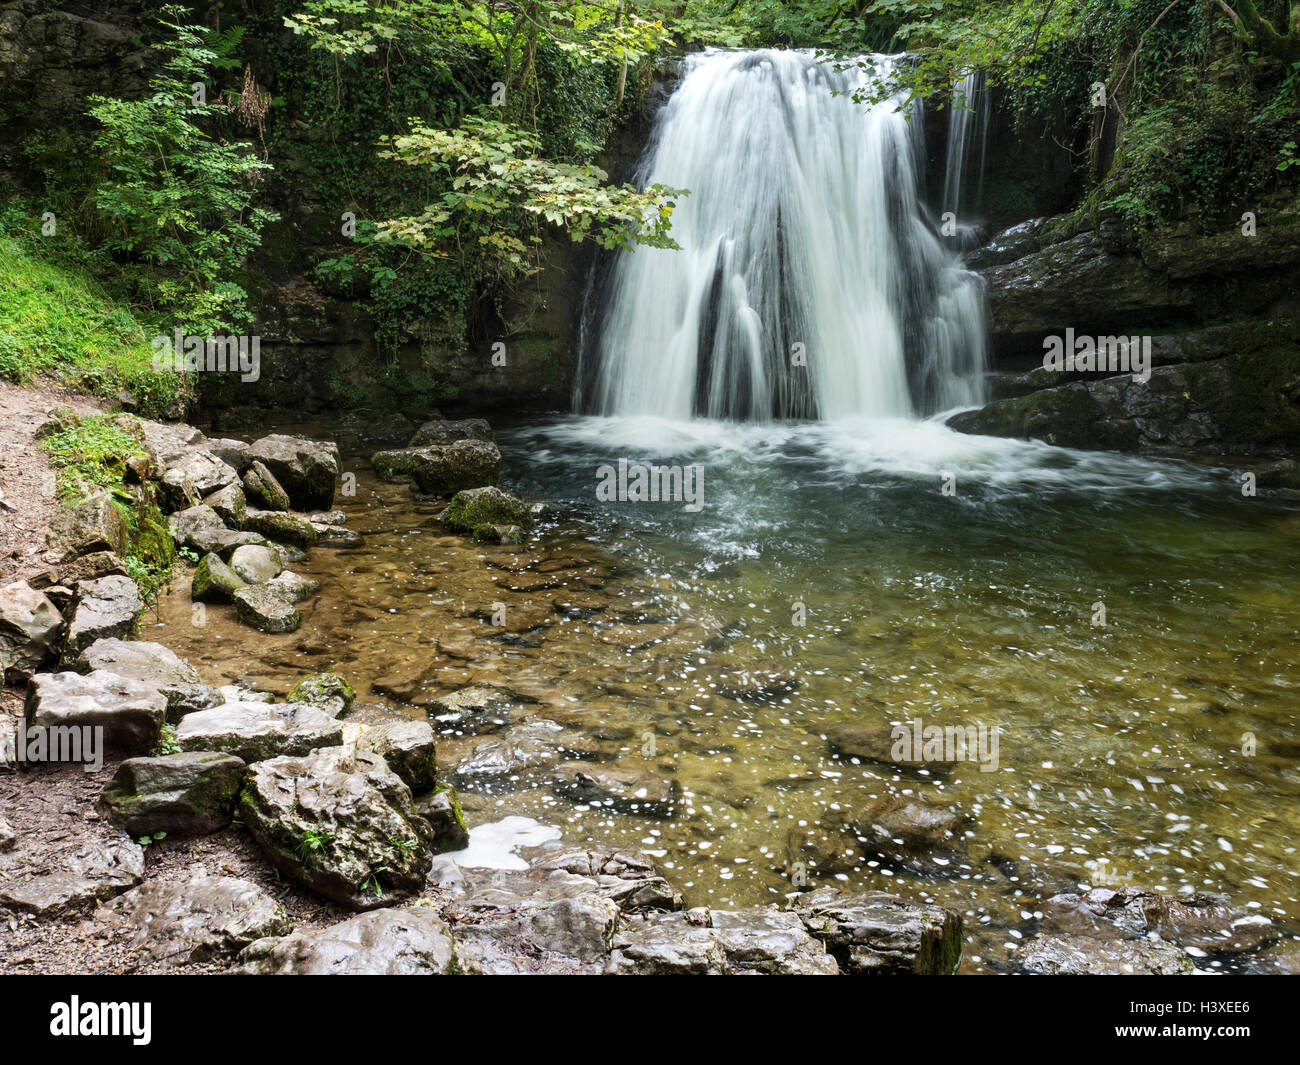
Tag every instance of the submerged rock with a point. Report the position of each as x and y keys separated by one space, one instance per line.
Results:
x=623 y=788
x=442 y=470
x=911 y=833
x=340 y=822
x=266 y=610
x=188 y=794
x=1085 y=956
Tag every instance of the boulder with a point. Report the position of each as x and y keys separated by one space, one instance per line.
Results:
x=256 y=563
x=153 y=666
x=130 y=713
x=263 y=489
x=1205 y=923
x=442 y=470
x=214 y=581
x=80 y=869
x=412 y=941
x=204 y=471
x=407 y=747
x=307 y=469
x=1084 y=956
x=30 y=630
x=93 y=524
x=484 y=508
x=282 y=527
x=327 y=692
x=340 y=822
x=441 y=808
x=104 y=608
x=178 y=491
x=168 y=442
x=187 y=794
x=266 y=610
x=441 y=431
x=289 y=585
x=873 y=932
x=223 y=542
x=229 y=504
x=170 y=922
x=234 y=453
x=185 y=523
x=255 y=731
x=910 y=833
x=91 y=567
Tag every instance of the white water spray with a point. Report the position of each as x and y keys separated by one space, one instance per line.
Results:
x=808 y=284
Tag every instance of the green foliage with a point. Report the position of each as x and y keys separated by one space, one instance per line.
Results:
x=313 y=843
x=57 y=320
x=495 y=182
x=91 y=451
x=178 y=197
x=167 y=740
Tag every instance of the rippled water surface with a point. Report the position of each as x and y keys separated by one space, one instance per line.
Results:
x=1124 y=749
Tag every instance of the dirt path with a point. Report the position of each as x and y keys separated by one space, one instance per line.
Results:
x=27 y=502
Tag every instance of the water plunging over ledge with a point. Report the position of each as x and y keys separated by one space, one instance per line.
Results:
x=809 y=283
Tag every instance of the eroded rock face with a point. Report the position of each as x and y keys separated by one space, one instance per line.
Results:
x=410 y=941
x=340 y=822
x=442 y=470
x=254 y=731
x=153 y=666
x=873 y=932
x=30 y=630
x=186 y=524
x=229 y=504
x=206 y=917
x=307 y=469
x=187 y=794
x=130 y=713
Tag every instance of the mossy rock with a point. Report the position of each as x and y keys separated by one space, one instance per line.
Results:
x=327 y=691
x=214 y=581
x=477 y=510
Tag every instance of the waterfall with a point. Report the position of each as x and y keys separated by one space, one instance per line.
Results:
x=968 y=114
x=809 y=283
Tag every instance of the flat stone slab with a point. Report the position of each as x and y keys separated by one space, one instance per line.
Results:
x=154 y=666
x=410 y=941
x=255 y=731
x=179 y=922
x=104 y=608
x=68 y=875
x=130 y=713
x=187 y=794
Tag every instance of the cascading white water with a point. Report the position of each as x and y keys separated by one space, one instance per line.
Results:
x=968 y=128
x=803 y=235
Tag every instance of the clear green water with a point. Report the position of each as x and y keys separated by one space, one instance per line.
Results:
x=1120 y=746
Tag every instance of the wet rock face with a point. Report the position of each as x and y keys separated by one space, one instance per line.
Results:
x=206 y=917
x=1205 y=923
x=130 y=713
x=80 y=870
x=266 y=610
x=1085 y=956
x=188 y=794
x=307 y=469
x=340 y=822
x=411 y=941
x=153 y=666
x=873 y=932
x=442 y=470
x=254 y=731
x=703 y=942
x=30 y=629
